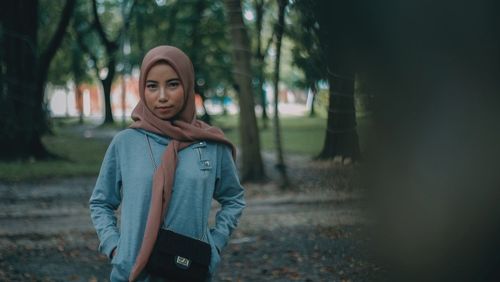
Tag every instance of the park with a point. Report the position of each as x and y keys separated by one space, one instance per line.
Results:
x=366 y=135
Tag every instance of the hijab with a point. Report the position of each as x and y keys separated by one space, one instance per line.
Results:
x=183 y=129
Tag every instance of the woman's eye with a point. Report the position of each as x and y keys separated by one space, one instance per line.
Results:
x=173 y=84
x=151 y=86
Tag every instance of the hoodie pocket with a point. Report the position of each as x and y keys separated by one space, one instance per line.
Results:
x=118 y=274
x=117 y=252
x=120 y=263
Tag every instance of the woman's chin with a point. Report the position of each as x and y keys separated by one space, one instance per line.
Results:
x=163 y=116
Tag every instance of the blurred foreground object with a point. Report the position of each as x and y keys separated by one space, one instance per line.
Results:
x=436 y=140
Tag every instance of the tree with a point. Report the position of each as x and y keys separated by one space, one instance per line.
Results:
x=336 y=31
x=341 y=136
x=197 y=27
x=277 y=129
x=152 y=24
x=307 y=53
x=252 y=168
x=70 y=65
x=110 y=46
x=208 y=49
x=260 y=54
x=24 y=69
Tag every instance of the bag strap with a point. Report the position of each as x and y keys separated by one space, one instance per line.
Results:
x=156 y=167
x=151 y=152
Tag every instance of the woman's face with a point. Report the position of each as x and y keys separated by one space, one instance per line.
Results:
x=164 y=92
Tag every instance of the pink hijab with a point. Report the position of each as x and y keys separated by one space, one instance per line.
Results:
x=184 y=129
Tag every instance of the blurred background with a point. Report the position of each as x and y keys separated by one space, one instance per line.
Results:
x=367 y=131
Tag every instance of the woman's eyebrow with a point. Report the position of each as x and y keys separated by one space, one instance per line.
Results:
x=169 y=80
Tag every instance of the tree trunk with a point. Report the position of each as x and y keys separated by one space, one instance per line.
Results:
x=341 y=137
x=224 y=97
x=260 y=56
x=21 y=101
x=280 y=165
x=314 y=91
x=17 y=101
x=111 y=47
x=337 y=37
x=44 y=60
x=76 y=56
x=252 y=168
x=124 y=100
x=79 y=102
x=262 y=94
x=106 y=88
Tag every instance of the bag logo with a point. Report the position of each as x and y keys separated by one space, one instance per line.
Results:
x=182 y=261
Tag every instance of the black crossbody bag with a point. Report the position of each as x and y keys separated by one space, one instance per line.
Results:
x=178 y=257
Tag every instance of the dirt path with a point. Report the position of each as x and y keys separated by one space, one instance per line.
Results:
x=307 y=234
x=60 y=206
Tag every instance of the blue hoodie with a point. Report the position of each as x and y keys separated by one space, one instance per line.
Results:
x=205 y=170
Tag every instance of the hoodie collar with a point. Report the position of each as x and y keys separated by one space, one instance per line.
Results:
x=160 y=139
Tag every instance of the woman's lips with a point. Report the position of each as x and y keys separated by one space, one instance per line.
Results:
x=164 y=108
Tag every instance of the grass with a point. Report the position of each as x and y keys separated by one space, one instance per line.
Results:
x=79 y=157
x=83 y=156
x=299 y=135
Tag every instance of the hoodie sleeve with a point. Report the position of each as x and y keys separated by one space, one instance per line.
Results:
x=230 y=194
x=105 y=199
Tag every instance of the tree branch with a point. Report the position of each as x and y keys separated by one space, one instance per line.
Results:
x=109 y=45
x=86 y=49
x=58 y=36
x=269 y=42
x=126 y=18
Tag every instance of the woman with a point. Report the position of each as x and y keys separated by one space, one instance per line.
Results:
x=164 y=170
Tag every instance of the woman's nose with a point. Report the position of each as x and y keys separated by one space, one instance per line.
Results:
x=163 y=95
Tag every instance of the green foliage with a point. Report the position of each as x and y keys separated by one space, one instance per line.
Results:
x=60 y=67
x=153 y=23
x=212 y=55
x=109 y=14
x=69 y=63
x=183 y=24
x=180 y=23
x=291 y=74
x=306 y=52
x=49 y=12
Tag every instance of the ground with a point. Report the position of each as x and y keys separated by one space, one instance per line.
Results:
x=313 y=232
